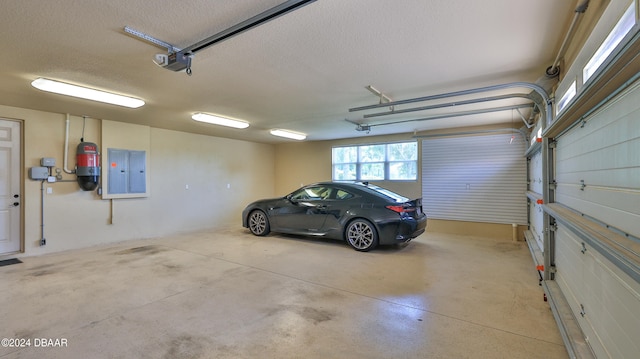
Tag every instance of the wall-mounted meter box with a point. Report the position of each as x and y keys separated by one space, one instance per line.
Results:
x=48 y=162
x=38 y=173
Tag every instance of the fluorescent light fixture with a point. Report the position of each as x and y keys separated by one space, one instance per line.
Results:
x=289 y=134
x=219 y=120
x=85 y=93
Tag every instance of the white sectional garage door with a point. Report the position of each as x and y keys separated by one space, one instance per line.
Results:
x=598 y=164
x=475 y=178
x=598 y=175
x=536 y=223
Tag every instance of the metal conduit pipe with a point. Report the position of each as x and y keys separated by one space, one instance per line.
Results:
x=66 y=147
x=538 y=89
x=554 y=70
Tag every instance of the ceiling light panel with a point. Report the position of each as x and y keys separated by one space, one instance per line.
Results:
x=289 y=134
x=219 y=120
x=85 y=93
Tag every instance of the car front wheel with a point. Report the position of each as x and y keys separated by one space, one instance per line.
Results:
x=361 y=235
x=258 y=223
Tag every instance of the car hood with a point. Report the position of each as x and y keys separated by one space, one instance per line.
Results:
x=265 y=201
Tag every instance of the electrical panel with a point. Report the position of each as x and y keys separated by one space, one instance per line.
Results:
x=48 y=162
x=38 y=173
x=127 y=171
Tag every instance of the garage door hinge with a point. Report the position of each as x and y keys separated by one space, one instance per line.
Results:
x=584 y=248
x=553 y=227
x=582 y=312
x=552 y=269
x=553 y=185
x=552 y=144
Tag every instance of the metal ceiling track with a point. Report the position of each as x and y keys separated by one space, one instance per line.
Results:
x=548 y=103
x=180 y=59
x=448 y=104
x=455 y=114
x=141 y=35
x=541 y=91
x=255 y=21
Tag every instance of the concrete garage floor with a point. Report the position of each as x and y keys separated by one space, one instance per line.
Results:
x=228 y=294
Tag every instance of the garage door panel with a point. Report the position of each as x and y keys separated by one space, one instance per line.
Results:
x=535 y=172
x=618 y=297
x=589 y=139
x=615 y=166
x=620 y=317
x=536 y=223
x=619 y=178
x=616 y=209
x=603 y=299
x=569 y=259
x=475 y=178
x=616 y=120
x=604 y=153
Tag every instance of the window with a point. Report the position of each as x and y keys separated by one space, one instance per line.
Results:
x=345 y=161
x=311 y=193
x=403 y=160
x=568 y=96
x=342 y=194
x=376 y=162
x=621 y=29
x=372 y=160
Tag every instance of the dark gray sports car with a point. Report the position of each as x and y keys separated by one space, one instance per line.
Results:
x=362 y=214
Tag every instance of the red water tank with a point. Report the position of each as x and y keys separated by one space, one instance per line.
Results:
x=88 y=166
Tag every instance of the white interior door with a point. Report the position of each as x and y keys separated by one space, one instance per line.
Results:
x=10 y=195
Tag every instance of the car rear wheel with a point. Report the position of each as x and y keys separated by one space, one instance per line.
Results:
x=361 y=235
x=258 y=223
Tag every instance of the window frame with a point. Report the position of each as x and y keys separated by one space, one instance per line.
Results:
x=567 y=96
x=625 y=24
x=387 y=162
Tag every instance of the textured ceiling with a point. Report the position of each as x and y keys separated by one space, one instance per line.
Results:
x=302 y=71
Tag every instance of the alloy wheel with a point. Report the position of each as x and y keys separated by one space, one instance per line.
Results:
x=258 y=223
x=361 y=235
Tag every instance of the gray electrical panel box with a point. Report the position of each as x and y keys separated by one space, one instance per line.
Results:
x=48 y=162
x=38 y=173
x=127 y=171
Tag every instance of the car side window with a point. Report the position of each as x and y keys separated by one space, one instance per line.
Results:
x=312 y=193
x=340 y=194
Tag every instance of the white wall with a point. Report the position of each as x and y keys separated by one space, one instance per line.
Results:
x=223 y=176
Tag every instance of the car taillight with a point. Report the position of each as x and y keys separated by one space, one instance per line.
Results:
x=401 y=209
